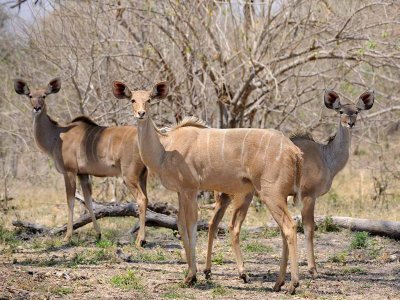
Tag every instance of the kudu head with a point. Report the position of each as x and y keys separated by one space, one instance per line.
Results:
x=348 y=111
x=140 y=99
x=37 y=97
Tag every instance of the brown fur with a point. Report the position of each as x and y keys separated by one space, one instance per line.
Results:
x=83 y=148
x=321 y=163
x=84 y=119
x=233 y=161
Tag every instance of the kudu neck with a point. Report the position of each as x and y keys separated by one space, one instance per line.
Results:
x=337 y=151
x=150 y=147
x=45 y=131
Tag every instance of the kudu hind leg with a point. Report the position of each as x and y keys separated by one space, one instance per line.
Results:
x=70 y=188
x=278 y=208
x=241 y=205
x=87 y=195
x=221 y=204
x=307 y=215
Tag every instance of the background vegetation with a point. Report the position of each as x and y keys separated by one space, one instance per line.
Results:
x=233 y=63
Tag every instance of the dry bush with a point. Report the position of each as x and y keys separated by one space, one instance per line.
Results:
x=233 y=63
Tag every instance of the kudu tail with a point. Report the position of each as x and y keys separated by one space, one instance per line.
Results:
x=298 y=174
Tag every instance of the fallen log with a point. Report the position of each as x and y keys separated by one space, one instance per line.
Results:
x=153 y=219
x=374 y=227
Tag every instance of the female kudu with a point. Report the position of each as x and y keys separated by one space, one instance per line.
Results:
x=83 y=148
x=321 y=164
x=192 y=157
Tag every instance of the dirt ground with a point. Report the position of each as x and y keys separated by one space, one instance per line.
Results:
x=47 y=268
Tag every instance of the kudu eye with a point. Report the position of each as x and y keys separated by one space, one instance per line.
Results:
x=133 y=101
x=341 y=112
x=30 y=96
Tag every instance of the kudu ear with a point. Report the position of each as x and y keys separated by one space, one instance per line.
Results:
x=54 y=86
x=160 y=90
x=120 y=90
x=366 y=100
x=21 y=87
x=331 y=99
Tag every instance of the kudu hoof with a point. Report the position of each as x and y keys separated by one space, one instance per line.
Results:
x=190 y=280
x=313 y=272
x=207 y=273
x=140 y=243
x=67 y=239
x=277 y=286
x=98 y=237
x=245 y=277
x=292 y=288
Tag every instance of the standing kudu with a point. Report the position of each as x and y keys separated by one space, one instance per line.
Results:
x=321 y=164
x=191 y=157
x=83 y=148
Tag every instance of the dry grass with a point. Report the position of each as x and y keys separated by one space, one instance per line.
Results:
x=47 y=267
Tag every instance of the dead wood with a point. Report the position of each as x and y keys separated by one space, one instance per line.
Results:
x=374 y=227
x=153 y=219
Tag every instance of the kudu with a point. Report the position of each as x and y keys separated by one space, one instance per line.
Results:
x=321 y=164
x=192 y=157
x=83 y=148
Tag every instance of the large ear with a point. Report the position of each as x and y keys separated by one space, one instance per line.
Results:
x=21 y=87
x=160 y=90
x=54 y=86
x=120 y=90
x=366 y=100
x=331 y=99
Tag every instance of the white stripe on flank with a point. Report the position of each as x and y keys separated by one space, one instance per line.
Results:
x=243 y=144
x=223 y=147
x=266 y=147
x=208 y=147
x=280 y=150
x=259 y=146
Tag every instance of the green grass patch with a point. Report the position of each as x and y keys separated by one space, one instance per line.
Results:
x=328 y=226
x=270 y=233
x=218 y=258
x=354 y=270
x=48 y=263
x=257 y=248
x=104 y=243
x=218 y=291
x=90 y=257
x=360 y=240
x=128 y=281
x=8 y=237
x=340 y=257
x=63 y=290
x=173 y=295
x=147 y=255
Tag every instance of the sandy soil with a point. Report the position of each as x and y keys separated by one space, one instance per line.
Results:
x=44 y=268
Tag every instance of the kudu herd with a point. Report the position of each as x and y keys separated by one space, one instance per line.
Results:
x=189 y=157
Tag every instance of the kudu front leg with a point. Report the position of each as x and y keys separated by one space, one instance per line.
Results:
x=278 y=207
x=140 y=194
x=187 y=225
x=70 y=188
x=221 y=204
x=87 y=195
x=307 y=215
